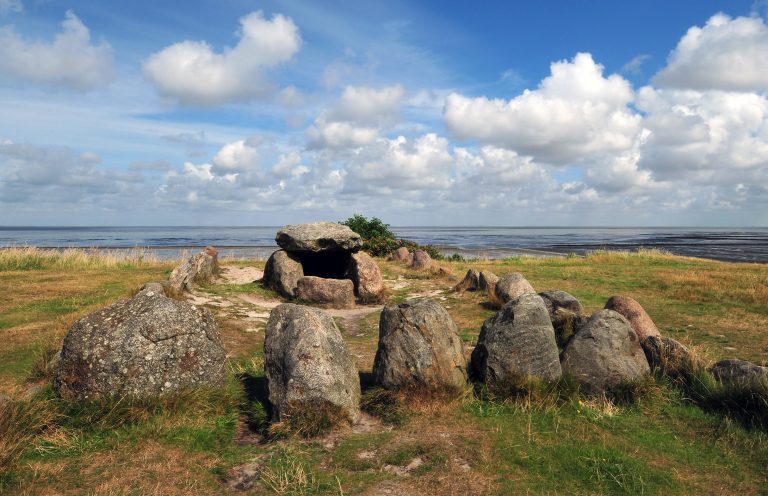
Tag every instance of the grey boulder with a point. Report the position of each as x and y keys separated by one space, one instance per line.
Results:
x=604 y=354
x=199 y=269
x=144 y=346
x=518 y=341
x=421 y=260
x=282 y=273
x=419 y=345
x=564 y=312
x=486 y=281
x=669 y=356
x=366 y=276
x=318 y=237
x=512 y=286
x=401 y=254
x=471 y=281
x=740 y=373
x=308 y=365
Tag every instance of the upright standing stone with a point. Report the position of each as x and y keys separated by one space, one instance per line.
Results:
x=517 y=342
x=487 y=282
x=470 y=282
x=282 y=273
x=421 y=260
x=401 y=254
x=199 y=269
x=365 y=274
x=604 y=354
x=419 y=344
x=308 y=365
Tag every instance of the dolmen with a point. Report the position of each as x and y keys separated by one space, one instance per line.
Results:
x=321 y=263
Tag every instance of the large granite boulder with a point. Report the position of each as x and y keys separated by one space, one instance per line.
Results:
x=512 y=286
x=471 y=281
x=199 y=269
x=419 y=345
x=421 y=260
x=669 y=356
x=741 y=373
x=517 y=342
x=308 y=365
x=635 y=314
x=144 y=346
x=604 y=354
x=318 y=237
x=282 y=273
x=332 y=293
x=366 y=276
x=486 y=281
x=564 y=312
x=401 y=255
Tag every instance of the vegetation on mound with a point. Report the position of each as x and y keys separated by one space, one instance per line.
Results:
x=380 y=241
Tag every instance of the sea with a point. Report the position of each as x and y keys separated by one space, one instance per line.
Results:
x=170 y=242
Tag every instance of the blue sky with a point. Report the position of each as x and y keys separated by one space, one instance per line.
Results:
x=443 y=113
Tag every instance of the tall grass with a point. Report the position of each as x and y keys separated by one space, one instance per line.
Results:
x=15 y=258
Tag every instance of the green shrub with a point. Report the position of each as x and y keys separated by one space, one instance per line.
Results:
x=380 y=241
x=369 y=229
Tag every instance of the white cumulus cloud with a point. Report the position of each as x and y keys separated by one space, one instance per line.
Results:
x=573 y=113
x=70 y=60
x=357 y=117
x=726 y=54
x=194 y=74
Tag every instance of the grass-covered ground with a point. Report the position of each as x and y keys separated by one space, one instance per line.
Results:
x=551 y=443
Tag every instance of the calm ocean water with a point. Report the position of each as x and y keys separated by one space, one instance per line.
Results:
x=730 y=244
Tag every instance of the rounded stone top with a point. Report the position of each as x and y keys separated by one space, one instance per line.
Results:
x=318 y=237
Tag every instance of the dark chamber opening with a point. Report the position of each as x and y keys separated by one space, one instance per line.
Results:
x=327 y=264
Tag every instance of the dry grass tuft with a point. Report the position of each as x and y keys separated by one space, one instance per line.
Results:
x=15 y=258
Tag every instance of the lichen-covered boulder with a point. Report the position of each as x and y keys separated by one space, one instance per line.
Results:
x=366 y=276
x=471 y=281
x=517 y=342
x=669 y=356
x=419 y=345
x=604 y=354
x=421 y=260
x=144 y=346
x=282 y=273
x=512 y=286
x=318 y=237
x=640 y=321
x=741 y=373
x=401 y=254
x=332 y=293
x=307 y=364
x=564 y=312
x=487 y=282
x=199 y=269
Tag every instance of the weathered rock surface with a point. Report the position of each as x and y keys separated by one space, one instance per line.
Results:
x=487 y=282
x=669 y=356
x=419 y=344
x=144 y=346
x=401 y=254
x=517 y=341
x=421 y=260
x=604 y=353
x=366 y=276
x=740 y=373
x=564 y=312
x=199 y=269
x=471 y=281
x=307 y=364
x=282 y=273
x=333 y=293
x=317 y=237
x=512 y=286
x=635 y=314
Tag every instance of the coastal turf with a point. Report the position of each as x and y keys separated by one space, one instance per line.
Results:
x=661 y=444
